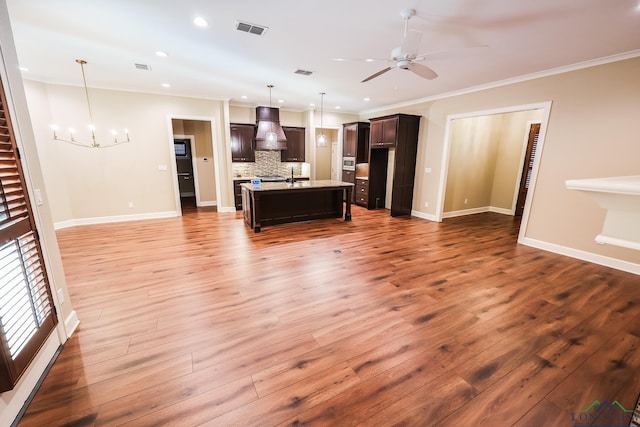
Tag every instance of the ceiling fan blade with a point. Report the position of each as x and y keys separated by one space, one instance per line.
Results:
x=361 y=60
x=411 y=43
x=423 y=71
x=452 y=53
x=373 y=76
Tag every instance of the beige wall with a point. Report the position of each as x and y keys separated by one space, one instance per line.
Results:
x=513 y=138
x=323 y=154
x=591 y=133
x=205 y=169
x=485 y=160
x=472 y=161
x=100 y=183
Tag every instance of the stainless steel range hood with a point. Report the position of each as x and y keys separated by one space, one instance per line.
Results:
x=268 y=119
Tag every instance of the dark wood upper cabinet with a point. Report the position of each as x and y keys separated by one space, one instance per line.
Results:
x=355 y=141
x=243 y=142
x=399 y=132
x=383 y=132
x=295 y=145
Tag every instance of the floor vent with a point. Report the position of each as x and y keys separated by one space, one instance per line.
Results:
x=303 y=72
x=246 y=27
x=144 y=67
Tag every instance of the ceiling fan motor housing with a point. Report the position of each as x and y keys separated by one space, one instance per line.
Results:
x=403 y=64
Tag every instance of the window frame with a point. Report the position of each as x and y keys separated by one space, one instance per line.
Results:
x=18 y=224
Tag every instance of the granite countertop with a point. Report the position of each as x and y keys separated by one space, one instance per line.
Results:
x=279 y=186
x=249 y=178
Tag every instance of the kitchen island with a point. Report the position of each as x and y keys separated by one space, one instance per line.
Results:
x=282 y=202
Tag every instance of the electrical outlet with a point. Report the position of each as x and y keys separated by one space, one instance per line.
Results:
x=427 y=170
x=426 y=204
x=131 y=205
x=466 y=201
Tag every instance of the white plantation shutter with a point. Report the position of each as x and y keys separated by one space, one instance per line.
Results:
x=26 y=308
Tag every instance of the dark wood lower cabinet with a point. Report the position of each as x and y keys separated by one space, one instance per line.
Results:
x=350 y=177
x=237 y=192
x=281 y=203
x=361 y=192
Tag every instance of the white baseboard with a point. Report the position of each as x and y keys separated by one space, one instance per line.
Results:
x=118 y=218
x=629 y=267
x=473 y=211
x=464 y=212
x=207 y=203
x=227 y=209
x=71 y=323
x=424 y=215
x=502 y=211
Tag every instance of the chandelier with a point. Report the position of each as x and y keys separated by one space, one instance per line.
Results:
x=93 y=143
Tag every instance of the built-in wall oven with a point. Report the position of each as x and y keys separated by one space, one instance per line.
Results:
x=349 y=163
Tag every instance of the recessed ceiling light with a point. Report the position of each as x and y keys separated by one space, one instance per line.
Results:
x=280 y=101
x=244 y=97
x=367 y=99
x=200 y=22
x=312 y=105
x=369 y=60
x=161 y=54
x=23 y=69
x=165 y=85
x=338 y=107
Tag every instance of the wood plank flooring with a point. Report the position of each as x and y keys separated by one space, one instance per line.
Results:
x=379 y=321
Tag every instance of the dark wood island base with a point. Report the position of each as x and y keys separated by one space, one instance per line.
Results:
x=279 y=202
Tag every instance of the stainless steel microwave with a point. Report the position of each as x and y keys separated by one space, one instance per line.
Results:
x=349 y=163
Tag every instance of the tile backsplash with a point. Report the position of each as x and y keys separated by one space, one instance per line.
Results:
x=267 y=163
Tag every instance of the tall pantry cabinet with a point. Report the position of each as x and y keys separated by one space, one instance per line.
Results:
x=398 y=132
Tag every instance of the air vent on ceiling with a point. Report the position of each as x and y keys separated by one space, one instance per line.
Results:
x=246 y=27
x=303 y=72
x=144 y=67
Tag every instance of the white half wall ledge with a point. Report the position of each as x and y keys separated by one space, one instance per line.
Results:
x=620 y=196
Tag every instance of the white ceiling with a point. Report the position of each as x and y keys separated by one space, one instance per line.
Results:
x=220 y=62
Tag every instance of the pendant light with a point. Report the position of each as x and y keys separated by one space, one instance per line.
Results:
x=322 y=139
x=271 y=137
x=94 y=142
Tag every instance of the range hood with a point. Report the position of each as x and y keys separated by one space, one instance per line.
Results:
x=268 y=119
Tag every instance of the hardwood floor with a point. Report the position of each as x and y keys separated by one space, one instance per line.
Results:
x=379 y=321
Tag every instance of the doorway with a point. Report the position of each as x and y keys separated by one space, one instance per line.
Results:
x=183 y=147
x=527 y=169
x=482 y=165
x=324 y=160
x=196 y=181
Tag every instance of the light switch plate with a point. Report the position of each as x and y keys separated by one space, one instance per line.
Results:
x=38 y=196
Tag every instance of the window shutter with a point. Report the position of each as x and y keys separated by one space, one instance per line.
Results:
x=26 y=308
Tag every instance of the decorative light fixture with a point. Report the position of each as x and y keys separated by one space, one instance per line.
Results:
x=322 y=139
x=93 y=143
x=271 y=137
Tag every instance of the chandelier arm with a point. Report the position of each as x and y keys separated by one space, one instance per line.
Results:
x=94 y=142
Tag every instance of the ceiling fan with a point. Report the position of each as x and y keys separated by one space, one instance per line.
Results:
x=406 y=55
